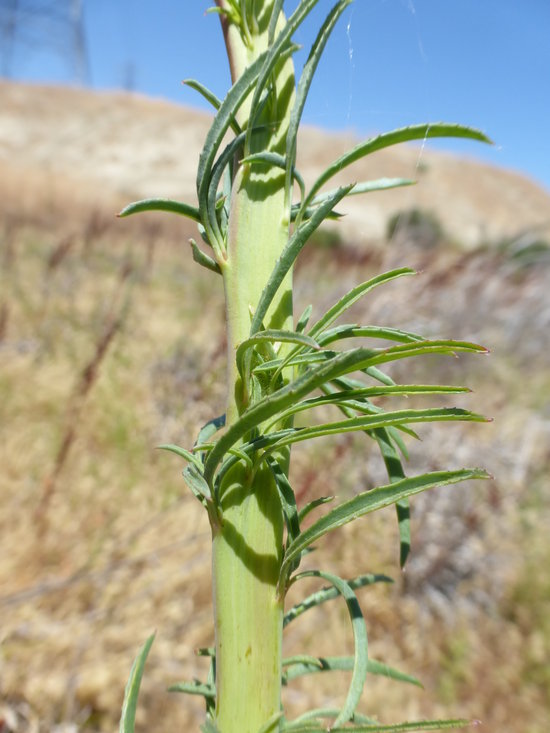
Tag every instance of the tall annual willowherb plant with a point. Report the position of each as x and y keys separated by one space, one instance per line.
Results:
x=254 y=216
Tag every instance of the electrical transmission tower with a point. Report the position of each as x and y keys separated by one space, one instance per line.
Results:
x=53 y=26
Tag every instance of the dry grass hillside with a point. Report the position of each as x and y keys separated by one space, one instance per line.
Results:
x=111 y=342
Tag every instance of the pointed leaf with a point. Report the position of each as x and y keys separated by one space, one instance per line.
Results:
x=277 y=161
x=306 y=78
x=212 y=99
x=182 y=453
x=209 y=727
x=304 y=319
x=423 y=725
x=329 y=593
x=343 y=398
x=307 y=359
x=210 y=429
x=194 y=688
x=310 y=506
x=274 y=54
x=131 y=693
x=226 y=113
x=272 y=336
x=297 y=667
x=174 y=207
x=395 y=472
x=289 y=254
x=354 y=295
x=369 y=501
x=201 y=258
x=313 y=717
x=208 y=195
x=288 y=498
x=342 y=364
x=346 y=331
x=381 y=419
x=380 y=184
x=195 y=480
x=360 y=659
x=271 y=723
x=387 y=139
x=275 y=13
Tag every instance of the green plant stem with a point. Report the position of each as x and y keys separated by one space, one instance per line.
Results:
x=248 y=613
x=247 y=546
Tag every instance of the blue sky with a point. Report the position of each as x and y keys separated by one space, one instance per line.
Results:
x=389 y=63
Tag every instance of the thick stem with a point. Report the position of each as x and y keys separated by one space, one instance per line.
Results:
x=249 y=615
x=247 y=546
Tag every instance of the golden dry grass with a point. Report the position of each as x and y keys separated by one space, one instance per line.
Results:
x=115 y=547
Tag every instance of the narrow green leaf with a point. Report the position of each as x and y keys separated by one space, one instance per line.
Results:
x=288 y=498
x=307 y=359
x=386 y=437
x=131 y=693
x=423 y=725
x=194 y=688
x=304 y=319
x=195 y=480
x=419 y=348
x=274 y=54
x=297 y=667
x=314 y=717
x=328 y=594
x=380 y=184
x=310 y=506
x=369 y=501
x=226 y=113
x=354 y=295
x=399 y=442
x=241 y=455
x=174 y=207
x=381 y=419
x=277 y=161
x=297 y=214
x=360 y=660
x=271 y=723
x=308 y=213
x=345 y=303
x=275 y=13
x=379 y=376
x=342 y=398
x=388 y=139
x=276 y=402
x=306 y=78
x=289 y=254
x=383 y=670
x=346 y=331
x=208 y=195
x=201 y=258
x=210 y=429
x=272 y=336
x=341 y=364
x=396 y=473
x=212 y=99
x=182 y=453
x=303 y=659
x=209 y=727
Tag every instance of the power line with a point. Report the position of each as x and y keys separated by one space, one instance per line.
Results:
x=52 y=26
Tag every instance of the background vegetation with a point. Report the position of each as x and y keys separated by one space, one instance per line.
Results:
x=100 y=360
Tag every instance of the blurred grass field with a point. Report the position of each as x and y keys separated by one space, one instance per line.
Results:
x=112 y=342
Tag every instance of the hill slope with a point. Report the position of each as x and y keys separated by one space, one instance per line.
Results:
x=104 y=353
x=141 y=147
